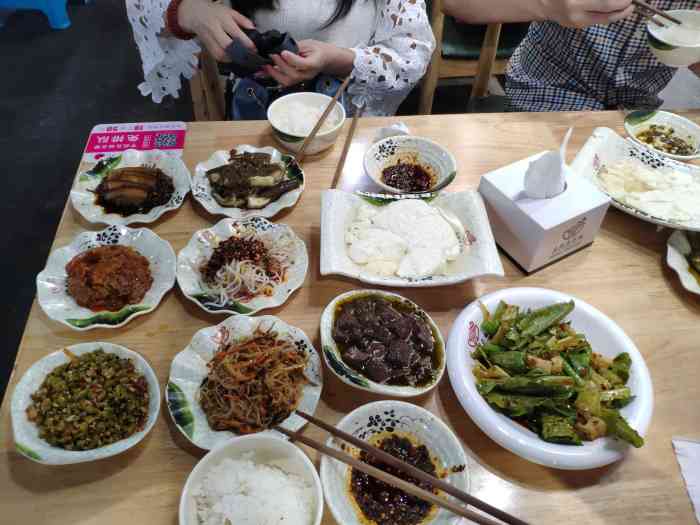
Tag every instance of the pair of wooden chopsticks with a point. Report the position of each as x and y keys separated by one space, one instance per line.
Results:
x=662 y=14
x=406 y=468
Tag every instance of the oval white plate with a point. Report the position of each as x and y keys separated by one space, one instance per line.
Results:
x=391 y=150
x=373 y=418
x=638 y=121
x=349 y=376
x=202 y=245
x=339 y=209
x=201 y=189
x=606 y=338
x=84 y=200
x=606 y=147
x=59 y=306
x=189 y=368
x=26 y=433
x=677 y=251
x=265 y=449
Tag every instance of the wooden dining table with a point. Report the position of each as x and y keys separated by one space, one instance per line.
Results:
x=623 y=273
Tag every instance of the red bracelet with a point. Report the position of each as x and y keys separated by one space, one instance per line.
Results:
x=173 y=24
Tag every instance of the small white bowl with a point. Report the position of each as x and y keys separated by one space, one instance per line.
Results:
x=293 y=141
x=265 y=449
x=436 y=160
x=349 y=376
x=606 y=338
x=26 y=434
x=638 y=121
x=404 y=418
x=671 y=54
x=677 y=251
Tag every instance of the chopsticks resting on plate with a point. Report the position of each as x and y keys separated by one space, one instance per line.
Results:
x=659 y=12
x=324 y=116
x=346 y=146
x=406 y=468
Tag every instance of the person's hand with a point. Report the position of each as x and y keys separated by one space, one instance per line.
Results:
x=584 y=13
x=314 y=57
x=215 y=25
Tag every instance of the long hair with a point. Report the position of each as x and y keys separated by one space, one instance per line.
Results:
x=248 y=7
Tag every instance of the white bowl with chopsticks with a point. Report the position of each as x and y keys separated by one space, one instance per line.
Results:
x=261 y=449
x=279 y=116
x=669 y=44
x=605 y=337
x=375 y=420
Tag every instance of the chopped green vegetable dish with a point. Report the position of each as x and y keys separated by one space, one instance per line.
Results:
x=537 y=370
x=90 y=402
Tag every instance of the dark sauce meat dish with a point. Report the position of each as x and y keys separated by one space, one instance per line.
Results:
x=384 y=504
x=127 y=191
x=407 y=177
x=108 y=278
x=387 y=341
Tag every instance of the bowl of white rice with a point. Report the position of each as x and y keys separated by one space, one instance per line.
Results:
x=293 y=116
x=253 y=480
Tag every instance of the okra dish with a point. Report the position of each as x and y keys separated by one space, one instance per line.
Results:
x=536 y=369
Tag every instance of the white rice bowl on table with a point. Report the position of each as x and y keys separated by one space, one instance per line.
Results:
x=408 y=238
x=660 y=192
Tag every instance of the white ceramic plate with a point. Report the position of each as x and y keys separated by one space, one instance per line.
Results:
x=638 y=121
x=677 y=251
x=265 y=449
x=26 y=433
x=439 y=162
x=85 y=183
x=60 y=306
x=338 y=210
x=189 y=368
x=606 y=147
x=606 y=338
x=202 y=245
x=403 y=418
x=332 y=356
x=201 y=189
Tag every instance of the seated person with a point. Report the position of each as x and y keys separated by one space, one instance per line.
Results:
x=386 y=45
x=578 y=54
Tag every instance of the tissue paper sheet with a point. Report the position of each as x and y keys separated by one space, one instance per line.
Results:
x=688 y=456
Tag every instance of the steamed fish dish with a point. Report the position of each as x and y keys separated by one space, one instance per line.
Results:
x=242 y=491
x=138 y=189
x=92 y=401
x=408 y=238
x=536 y=369
x=383 y=504
x=108 y=278
x=662 y=192
x=390 y=342
x=250 y=181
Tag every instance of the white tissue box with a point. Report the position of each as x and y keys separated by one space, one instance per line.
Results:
x=536 y=232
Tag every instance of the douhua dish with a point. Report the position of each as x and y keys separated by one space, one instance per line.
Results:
x=94 y=400
x=667 y=139
x=108 y=278
x=131 y=190
x=535 y=368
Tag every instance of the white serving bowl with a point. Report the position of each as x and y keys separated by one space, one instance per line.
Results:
x=26 y=434
x=293 y=141
x=349 y=376
x=638 y=121
x=677 y=251
x=606 y=338
x=435 y=159
x=671 y=54
x=404 y=418
x=265 y=449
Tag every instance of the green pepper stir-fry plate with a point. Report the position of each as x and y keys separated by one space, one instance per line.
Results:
x=47 y=449
x=550 y=378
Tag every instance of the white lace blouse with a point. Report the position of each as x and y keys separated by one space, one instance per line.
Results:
x=390 y=58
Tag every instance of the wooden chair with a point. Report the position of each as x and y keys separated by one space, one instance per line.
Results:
x=466 y=51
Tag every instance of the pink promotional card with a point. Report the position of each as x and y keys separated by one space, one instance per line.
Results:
x=109 y=139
